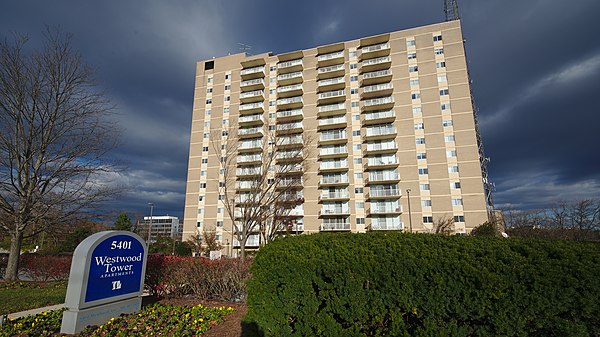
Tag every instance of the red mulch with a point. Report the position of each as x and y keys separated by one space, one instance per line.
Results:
x=232 y=323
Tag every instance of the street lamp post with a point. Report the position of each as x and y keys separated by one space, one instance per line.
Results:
x=409 y=212
x=150 y=224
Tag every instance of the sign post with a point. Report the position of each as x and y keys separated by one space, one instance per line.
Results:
x=106 y=279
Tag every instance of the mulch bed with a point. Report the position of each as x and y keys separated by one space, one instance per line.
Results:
x=232 y=323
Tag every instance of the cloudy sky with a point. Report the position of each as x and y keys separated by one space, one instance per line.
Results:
x=535 y=67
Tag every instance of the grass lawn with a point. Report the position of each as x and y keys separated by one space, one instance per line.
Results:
x=19 y=296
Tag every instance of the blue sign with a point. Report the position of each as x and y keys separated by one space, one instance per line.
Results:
x=116 y=268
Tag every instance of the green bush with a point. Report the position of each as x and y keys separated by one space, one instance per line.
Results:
x=393 y=284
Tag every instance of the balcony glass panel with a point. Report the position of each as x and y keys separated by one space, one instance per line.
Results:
x=377 y=87
x=252 y=70
x=376 y=60
x=333 y=164
x=289 y=88
x=330 y=56
x=334 y=178
x=289 y=76
x=289 y=113
x=336 y=67
x=379 y=130
x=289 y=126
x=252 y=93
x=296 y=99
x=379 y=115
x=331 y=94
x=331 y=81
x=375 y=74
x=379 y=101
x=383 y=175
x=288 y=64
x=332 y=120
x=250 y=106
x=249 y=131
x=386 y=223
x=333 y=149
x=289 y=140
x=252 y=82
x=378 y=146
x=332 y=135
x=251 y=118
x=382 y=160
x=376 y=47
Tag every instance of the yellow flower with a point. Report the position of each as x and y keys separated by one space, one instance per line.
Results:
x=201 y=320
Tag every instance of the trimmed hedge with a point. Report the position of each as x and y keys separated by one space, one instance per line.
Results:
x=394 y=284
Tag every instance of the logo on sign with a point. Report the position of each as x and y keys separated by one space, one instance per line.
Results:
x=116 y=285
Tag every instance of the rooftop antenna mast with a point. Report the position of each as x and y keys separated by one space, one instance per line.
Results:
x=451 y=13
x=451 y=10
x=245 y=48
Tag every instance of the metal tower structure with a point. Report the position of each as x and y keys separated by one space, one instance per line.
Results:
x=451 y=13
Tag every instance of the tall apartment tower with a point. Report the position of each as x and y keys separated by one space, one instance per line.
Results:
x=391 y=119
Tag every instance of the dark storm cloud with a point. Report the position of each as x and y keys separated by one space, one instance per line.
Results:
x=535 y=67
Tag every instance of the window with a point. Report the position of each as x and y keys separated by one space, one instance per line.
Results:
x=444 y=92
x=225 y=121
x=424 y=187
x=449 y=138
x=459 y=218
x=452 y=169
x=200 y=197
x=219 y=223
x=442 y=79
x=416 y=110
x=421 y=155
x=209 y=101
x=202 y=185
x=272 y=80
x=227 y=76
x=357 y=175
x=353 y=54
x=272 y=115
x=200 y=210
x=227 y=87
x=457 y=202
x=355 y=133
x=355 y=117
x=225 y=110
x=355 y=104
x=357 y=161
x=420 y=140
x=209 y=90
x=206 y=135
x=412 y=56
x=353 y=91
x=223 y=146
x=272 y=68
x=437 y=38
x=440 y=64
x=221 y=184
x=438 y=51
x=272 y=91
x=353 y=78
x=207 y=124
x=272 y=127
x=419 y=126
x=208 y=112
x=358 y=190
x=221 y=197
x=446 y=123
x=205 y=149
x=415 y=95
x=199 y=224
x=360 y=205
x=426 y=203
x=423 y=171
x=272 y=103
x=427 y=219
x=455 y=185
x=204 y=160
x=209 y=80
x=357 y=147
x=203 y=173
x=414 y=82
x=451 y=153
x=410 y=43
x=220 y=210
x=360 y=221
x=413 y=69
x=225 y=133
x=353 y=65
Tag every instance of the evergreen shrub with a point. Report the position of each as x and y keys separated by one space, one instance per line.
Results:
x=394 y=284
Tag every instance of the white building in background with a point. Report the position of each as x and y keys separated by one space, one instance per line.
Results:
x=162 y=226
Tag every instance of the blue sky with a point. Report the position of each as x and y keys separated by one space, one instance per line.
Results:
x=535 y=67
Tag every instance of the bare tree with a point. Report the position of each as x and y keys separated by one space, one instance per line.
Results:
x=54 y=137
x=585 y=214
x=443 y=225
x=209 y=243
x=263 y=178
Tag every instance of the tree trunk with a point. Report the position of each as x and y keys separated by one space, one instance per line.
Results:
x=12 y=268
x=243 y=249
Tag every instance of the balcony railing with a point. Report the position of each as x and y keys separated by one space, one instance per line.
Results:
x=382 y=161
x=334 y=120
x=376 y=61
x=386 y=176
x=289 y=113
x=249 y=158
x=291 y=100
x=331 y=56
x=332 y=94
x=288 y=64
x=332 y=107
x=251 y=106
x=254 y=70
x=330 y=150
x=377 y=87
x=342 y=194
x=374 y=193
x=379 y=101
x=251 y=118
x=333 y=164
x=382 y=146
x=283 y=77
x=376 y=74
x=295 y=140
x=334 y=211
x=335 y=135
x=377 y=47
x=289 y=88
x=337 y=67
x=379 y=115
x=289 y=126
x=294 y=154
x=384 y=209
x=250 y=94
x=250 y=145
x=250 y=131
x=331 y=81
x=248 y=171
x=391 y=226
x=335 y=226
x=337 y=179
x=381 y=130
x=258 y=82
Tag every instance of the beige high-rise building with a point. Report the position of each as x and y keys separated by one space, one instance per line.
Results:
x=390 y=119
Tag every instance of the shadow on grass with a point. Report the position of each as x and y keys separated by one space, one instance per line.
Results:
x=250 y=329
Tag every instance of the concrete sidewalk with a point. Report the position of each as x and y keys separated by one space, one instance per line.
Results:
x=35 y=311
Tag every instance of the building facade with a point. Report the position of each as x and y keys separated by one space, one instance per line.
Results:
x=162 y=226
x=391 y=121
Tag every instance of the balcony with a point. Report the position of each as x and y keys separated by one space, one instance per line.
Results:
x=252 y=73
x=247 y=172
x=289 y=156
x=379 y=177
x=290 y=103
x=251 y=120
x=378 y=103
x=246 y=185
x=290 y=198
x=290 y=115
x=251 y=132
x=249 y=159
x=254 y=84
x=290 y=142
x=289 y=169
x=381 y=162
x=288 y=128
x=332 y=137
x=384 y=131
x=384 y=89
x=332 y=122
x=381 y=76
x=334 y=180
x=381 y=147
x=331 y=109
x=250 y=108
x=331 y=71
x=336 y=211
x=335 y=226
x=387 y=226
x=383 y=194
x=290 y=78
x=287 y=183
x=330 y=58
x=251 y=145
x=375 y=210
x=333 y=165
x=340 y=195
x=330 y=97
x=375 y=64
x=252 y=96
x=329 y=84
x=289 y=90
x=289 y=66
x=373 y=51
x=378 y=117
x=333 y=152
